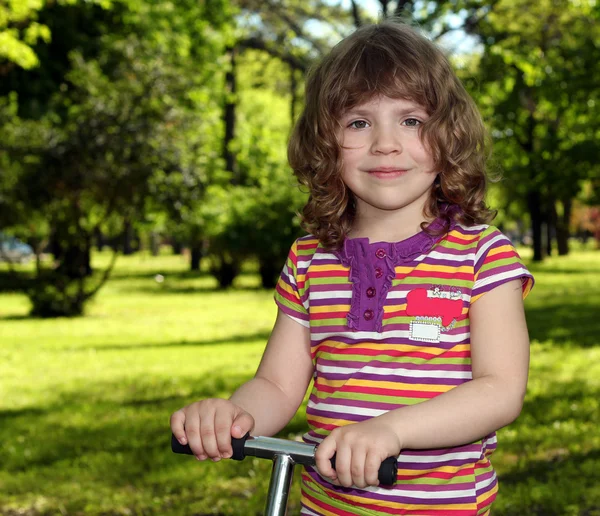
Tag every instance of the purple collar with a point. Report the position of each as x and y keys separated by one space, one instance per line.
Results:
x=402 y=251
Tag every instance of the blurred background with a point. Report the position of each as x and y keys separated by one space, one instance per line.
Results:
x=146 y=209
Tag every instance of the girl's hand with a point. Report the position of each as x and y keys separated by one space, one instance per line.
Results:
x=208 y=426
x=360 y=448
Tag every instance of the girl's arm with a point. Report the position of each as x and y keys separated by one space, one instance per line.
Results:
x=494 y=398
x=264 y=404
x=491 y=400
x=278 y=388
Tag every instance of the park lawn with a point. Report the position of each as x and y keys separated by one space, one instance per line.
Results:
x=85 y=403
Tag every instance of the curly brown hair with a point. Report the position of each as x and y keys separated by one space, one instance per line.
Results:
x=388 y=59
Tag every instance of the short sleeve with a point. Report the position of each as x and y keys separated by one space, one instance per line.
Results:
x=290 y=290
x=497 y=262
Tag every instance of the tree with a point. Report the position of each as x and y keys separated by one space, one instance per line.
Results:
x=88 y=158
x=540 y=85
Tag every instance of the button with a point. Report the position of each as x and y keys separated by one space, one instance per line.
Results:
x=380 y=253
x=368 y=315
x=378 y=272
x=370 y=292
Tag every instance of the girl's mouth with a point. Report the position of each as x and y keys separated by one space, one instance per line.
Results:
x=387 y=173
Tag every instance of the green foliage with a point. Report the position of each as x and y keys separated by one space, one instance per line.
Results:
x=113 y=119
x=537 y=84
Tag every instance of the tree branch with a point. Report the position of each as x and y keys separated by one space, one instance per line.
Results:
x=259 y=44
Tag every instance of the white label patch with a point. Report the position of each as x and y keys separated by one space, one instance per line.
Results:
x=424 y=331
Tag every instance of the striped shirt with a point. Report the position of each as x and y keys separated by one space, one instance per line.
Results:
x=389 y=327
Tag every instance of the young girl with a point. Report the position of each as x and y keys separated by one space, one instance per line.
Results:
x=402 y=304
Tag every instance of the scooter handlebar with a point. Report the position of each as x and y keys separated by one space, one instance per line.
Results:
x=302 y=453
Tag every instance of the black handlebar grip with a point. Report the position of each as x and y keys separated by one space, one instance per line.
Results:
x=388 y=471
x=177 y=447
x=238 y=447
x=236 y=444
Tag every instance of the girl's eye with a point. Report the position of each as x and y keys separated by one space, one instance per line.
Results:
x=411 y=122
x=358 y=124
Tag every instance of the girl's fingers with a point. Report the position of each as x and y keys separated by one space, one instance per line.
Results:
x=241 y=425
x=343 y=463
x=208 y=436
x=323 y=455
x=372 y=464
x=357 y=468
x=192 y=432
x=178 y=426
x=223 y=433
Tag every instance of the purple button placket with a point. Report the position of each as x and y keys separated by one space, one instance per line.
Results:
x=373 y=269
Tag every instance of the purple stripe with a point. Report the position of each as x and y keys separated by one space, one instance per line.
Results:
x=395 y=365
x=394 y=379
x=400 y=499
x=467 y=231
x=493 y=271
x=464 y=448
x=456 y=252
x=434 y=488
x=291 y=312
x=357 y=418
x=319 y=259
x=446 y=346
x=357 y=403
x=492 y=286
x=451 y=263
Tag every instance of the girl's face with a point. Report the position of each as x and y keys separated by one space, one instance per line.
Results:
x=385 y=163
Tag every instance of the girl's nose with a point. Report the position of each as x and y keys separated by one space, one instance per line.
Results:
x=385 y=141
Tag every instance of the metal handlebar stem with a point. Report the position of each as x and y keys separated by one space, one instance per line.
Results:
x=285 y=455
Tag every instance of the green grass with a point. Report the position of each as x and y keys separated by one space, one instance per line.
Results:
x=85 y=403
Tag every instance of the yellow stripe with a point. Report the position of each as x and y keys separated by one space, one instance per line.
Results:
x=482 y=500
x=475 y=298
x=284 y=286
x=328 y=421
x=384 y=385
x=467 y=238
x=330 y=308
x=501 y=249
x=394 y=308
x=328 y=268
x=390 y=347
x=440 y=469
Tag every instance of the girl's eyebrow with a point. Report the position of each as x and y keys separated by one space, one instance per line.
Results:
x=402 y=111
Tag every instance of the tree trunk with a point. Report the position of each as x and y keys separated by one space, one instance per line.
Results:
x=154 y=245
x=177 y=246
x=384 y=7
x=75 y=261
x=535 y=212
x=195 y=257
x=562 y=228
x=269 y=272
x=403 y=8
x=293 y=92
x=127 y=238
x=100 y=243
x=549 y=226
x=71 y=252
x=229 y=120
x=356 y=14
